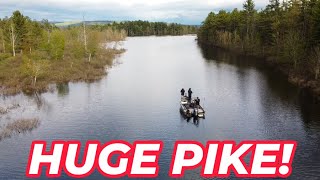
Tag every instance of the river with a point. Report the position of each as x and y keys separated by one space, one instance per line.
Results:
x=139 y=100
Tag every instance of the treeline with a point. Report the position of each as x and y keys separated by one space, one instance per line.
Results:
x=287 y=32
x=145 y=28
x=34 y=54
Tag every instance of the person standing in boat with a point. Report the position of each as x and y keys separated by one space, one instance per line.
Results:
x=182 y=92
x=190 y=94
x=197 y=101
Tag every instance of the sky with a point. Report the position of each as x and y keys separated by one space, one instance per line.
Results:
x=179 y=11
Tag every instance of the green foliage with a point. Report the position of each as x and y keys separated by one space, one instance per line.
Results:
x=34 y=54
x=57 y=45
x=287 y=30
x=145 y=28
x=93 y=42
x=2 y=39
x=315 y=20
x=33 y=37
x=293 y=47
x=34 y=69
x=19 y=24
x=4 y=56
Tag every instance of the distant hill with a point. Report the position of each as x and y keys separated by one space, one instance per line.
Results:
x=78 y=23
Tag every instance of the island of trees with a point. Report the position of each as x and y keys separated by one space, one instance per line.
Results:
x=286 y=33
x=35 y=54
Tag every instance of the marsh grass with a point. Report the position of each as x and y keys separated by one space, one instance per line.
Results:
x=13 y=80
x=65 y=58
x=5 y=110
x=18 y=126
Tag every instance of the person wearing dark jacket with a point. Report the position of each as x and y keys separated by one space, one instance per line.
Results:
x=190 y=94
x=182 y=92
x=197 y=101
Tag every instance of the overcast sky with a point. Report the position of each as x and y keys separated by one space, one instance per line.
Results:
x=181 y=11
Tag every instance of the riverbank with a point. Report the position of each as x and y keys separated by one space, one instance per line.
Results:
x=286 y=36
x=22 y=74
x=39 y=54
x=297 y=76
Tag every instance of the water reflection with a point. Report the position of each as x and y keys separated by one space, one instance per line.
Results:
x=63 y=89
x=196 y=121
x=276 y=85
x=191 y=120
x=273 y=108
x=19 y=116
x=20 y=126
x=309 y=111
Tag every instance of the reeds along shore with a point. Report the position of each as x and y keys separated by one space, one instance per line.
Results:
x=35 y=54
x=17 y=127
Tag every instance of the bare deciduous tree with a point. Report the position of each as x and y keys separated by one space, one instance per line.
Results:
x=13 y=38
x=34 y=69
x=84 y=34
x=293 y=46
x=85 y=39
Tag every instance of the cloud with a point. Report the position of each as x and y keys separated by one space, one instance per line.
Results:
x=182 y=11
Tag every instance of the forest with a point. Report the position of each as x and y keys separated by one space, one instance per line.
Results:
x=285 y=33
x=145 y=28
x=35 y=54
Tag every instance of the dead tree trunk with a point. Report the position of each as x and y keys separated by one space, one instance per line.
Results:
x=85 y=40
x=84 y=34
x=89 y=57
x=34 y=81
x=13 y=40
x=49 y=30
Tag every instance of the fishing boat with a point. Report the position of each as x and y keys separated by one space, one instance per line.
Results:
x=189 y=109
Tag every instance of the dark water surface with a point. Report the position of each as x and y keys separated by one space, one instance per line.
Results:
x=139 y=99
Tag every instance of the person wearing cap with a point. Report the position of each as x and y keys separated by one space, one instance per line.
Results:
x=182 y=92
x=190 y=94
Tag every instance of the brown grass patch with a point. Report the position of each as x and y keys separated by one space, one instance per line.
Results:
x=5 y=110
x=19 y=126
x=14 y=81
